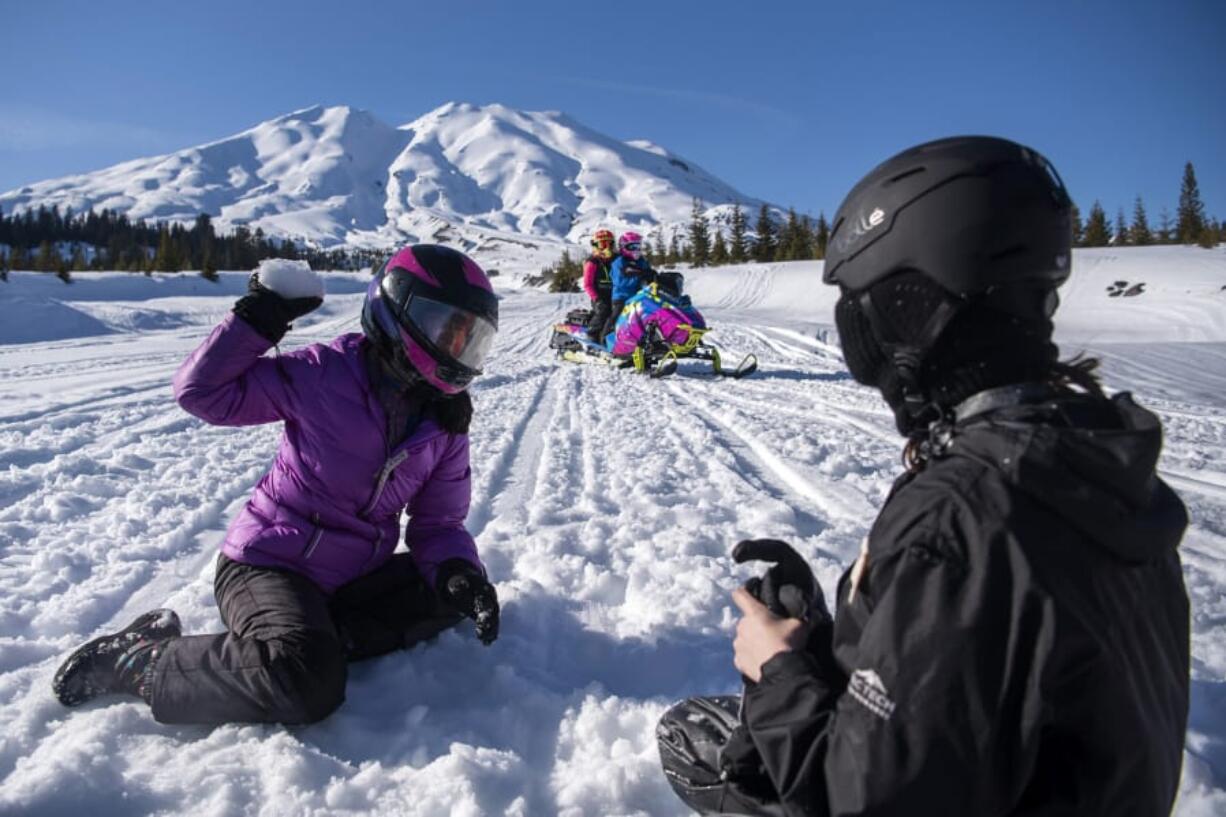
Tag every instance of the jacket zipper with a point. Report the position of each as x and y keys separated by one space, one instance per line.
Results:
x=315 y=537
x=384 y=476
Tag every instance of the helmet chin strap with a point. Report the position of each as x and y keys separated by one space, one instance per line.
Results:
x=906 y=355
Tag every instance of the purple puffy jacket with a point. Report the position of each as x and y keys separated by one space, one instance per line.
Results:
x=330 y=506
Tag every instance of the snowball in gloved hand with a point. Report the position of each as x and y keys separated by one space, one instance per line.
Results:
x=289 y=279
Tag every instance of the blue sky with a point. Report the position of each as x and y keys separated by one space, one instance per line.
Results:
x=787 y=101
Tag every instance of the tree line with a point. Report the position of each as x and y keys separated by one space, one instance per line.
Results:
x=800 y=237
x=48 y=240
x=1190 y=226
x=703 y=244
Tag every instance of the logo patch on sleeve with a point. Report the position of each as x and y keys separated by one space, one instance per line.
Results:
x=866 y=687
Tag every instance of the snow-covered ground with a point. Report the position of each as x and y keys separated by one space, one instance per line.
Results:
x=604 y=504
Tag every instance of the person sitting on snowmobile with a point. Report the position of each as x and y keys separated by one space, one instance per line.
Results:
x=629 y=272
x=1014 y=636
x=375 y=423
x=598 y=281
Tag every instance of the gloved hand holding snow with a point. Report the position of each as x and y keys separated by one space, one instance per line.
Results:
x=788 y=588
x=289 y=279
x=279 y=292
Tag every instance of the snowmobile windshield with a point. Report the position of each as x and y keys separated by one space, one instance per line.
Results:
x=461 y=335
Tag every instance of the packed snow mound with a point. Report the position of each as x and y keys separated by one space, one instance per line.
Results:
x=290 y=279
x=339 y=176
x=34 y=320
x=37 y=307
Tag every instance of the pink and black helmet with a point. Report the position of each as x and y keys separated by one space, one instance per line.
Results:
x=631 y=245
x=432 y=314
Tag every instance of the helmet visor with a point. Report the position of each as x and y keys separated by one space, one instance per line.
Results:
x=457 y=333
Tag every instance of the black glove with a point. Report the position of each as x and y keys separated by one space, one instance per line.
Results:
x=462 y=586
x=268 y=313
x=788 y=589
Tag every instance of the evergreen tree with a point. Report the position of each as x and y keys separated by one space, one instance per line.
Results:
x=674 y=250
x=821 y=236
x=1191 y=213
x=48 y=259
x=1098 y=233
x=764 y=241
x=719 y=250
x=658 y=248
x=565 y=274
x=19 y=259
x=203 y=239
x=1208 y=235
x=1120 y=236
x=804 y=240
x=78 y=258
x=166 y=258
x=4 y=266
x=1079 y=233
x=208 y=269
x=738 y=249
x=1139 y=233
x=789 y=238
x=1165 y=236
x=700 y=235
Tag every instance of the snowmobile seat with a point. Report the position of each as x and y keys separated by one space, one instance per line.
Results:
x=672 y=283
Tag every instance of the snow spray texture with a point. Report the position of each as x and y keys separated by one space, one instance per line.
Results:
x=673 y=317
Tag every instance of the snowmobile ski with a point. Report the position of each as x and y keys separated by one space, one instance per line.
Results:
x=747 y=366
x=581 y=356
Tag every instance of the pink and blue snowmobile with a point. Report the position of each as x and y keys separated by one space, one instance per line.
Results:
x=657 y=327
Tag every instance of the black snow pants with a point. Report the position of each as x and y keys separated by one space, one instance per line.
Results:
x=601 y=309
x=283 y=659
x=711 y=762
x=615 y=309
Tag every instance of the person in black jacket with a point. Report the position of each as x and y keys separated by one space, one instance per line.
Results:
x=1014 y=636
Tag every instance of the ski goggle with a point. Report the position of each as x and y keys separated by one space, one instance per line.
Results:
x=602 y=243
x=461 y=335
x=633 y=246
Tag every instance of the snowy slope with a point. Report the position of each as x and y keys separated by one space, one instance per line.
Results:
x=338 y=175
x=609 y=545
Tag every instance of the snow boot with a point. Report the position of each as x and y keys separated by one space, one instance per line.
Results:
x=120 y=663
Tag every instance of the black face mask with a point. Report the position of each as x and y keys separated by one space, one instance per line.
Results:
x=862 y=353
x=978 y=345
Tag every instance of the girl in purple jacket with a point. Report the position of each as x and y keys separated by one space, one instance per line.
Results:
x=375 y=424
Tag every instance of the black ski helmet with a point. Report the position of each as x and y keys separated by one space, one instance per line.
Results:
x=972 y=228
x=969 y=212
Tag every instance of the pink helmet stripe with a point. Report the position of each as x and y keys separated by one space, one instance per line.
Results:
x=406 y=260
x=475 y=276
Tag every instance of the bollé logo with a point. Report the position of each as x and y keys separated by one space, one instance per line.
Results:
x=860 y=229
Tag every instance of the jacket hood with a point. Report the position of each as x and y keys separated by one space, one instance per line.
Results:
x=1091 y=461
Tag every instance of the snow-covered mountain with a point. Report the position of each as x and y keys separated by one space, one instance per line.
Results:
x=339 y=176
